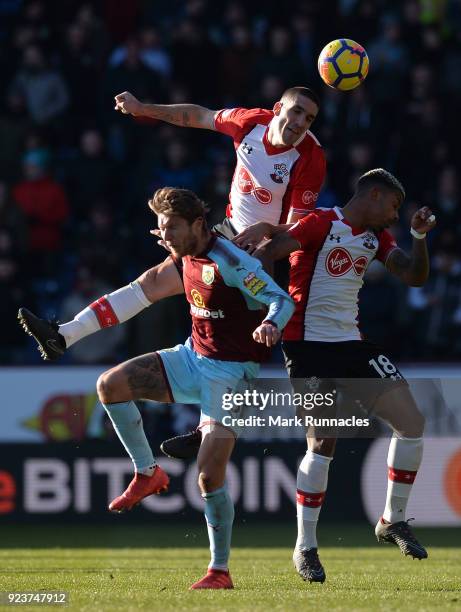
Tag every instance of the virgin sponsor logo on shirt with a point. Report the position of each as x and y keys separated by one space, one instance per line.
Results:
x=339 y=262
x=309 y=198
x=246 y=185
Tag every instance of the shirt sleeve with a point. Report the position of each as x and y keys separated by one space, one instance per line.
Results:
x=310 y=230
x=237 y=122
x=306 y=181
x=387 y=244
x=244 y=272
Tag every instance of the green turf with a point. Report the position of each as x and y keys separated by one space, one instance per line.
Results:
x=99 y=577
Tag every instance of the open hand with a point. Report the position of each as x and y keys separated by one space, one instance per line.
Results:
x=267 y=334
x=158 y=234
x=251 y=237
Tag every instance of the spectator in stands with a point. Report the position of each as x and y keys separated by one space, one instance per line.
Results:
x=45 y=206
x=152 y=52
x=434 y=307
x=91 y=175
x=14 y=125
x=236 y=67
x=12 y=219
x=43 y=88
x=280 y=58
x=15 y=293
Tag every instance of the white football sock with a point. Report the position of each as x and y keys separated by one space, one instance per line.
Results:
x=109 y=310
x=311 y=484
x=403 y=460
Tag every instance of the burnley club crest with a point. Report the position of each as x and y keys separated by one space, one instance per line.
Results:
x=208 y=275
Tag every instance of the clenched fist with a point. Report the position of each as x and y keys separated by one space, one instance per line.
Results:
x=128 y=104
x=423 y=220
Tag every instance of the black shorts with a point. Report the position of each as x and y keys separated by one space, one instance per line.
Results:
x=359 y=368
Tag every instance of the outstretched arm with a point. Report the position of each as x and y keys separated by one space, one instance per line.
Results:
x=184 y=115
x=119 y=306
x=251 y=237
x=281 y=245
x=413 y=269
x=161 y=281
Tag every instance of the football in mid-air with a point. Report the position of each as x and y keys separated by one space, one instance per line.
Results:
x=343 y=64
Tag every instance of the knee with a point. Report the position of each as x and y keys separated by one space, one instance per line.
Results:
x=106 y=387
x=208 y=482
x=413 y=427
x=205 y=481
x=420 y=422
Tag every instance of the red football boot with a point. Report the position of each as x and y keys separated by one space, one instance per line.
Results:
x=140 y=487
x=214 y=579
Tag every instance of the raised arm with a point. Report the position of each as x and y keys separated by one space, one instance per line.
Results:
x=413 y=269
x=184 y=115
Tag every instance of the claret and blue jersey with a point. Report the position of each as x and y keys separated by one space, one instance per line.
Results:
x=230 y=295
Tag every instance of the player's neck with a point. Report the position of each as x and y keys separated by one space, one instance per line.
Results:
x=274 y=138
x=202 y=243
x=353 y=214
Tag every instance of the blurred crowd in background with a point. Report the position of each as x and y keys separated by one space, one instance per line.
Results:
x=75 y=175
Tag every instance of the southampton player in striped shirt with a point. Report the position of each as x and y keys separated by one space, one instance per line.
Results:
x=280 y=170
x=330 y=251
x=232 y=333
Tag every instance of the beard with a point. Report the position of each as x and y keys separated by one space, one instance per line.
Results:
x=190 y=247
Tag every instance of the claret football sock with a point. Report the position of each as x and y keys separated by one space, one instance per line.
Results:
x=403 y=460
x=219 y=515
x=127 y=422
x=107 y=311
x=311 y=484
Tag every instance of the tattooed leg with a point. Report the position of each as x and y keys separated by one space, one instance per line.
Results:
x=138 y=378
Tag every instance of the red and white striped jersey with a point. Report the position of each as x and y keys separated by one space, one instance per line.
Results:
x=269 y=181
x=327 y=275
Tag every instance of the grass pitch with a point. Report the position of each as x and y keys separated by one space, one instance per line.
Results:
x=100 y=571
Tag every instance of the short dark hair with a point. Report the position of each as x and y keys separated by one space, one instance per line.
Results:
x=181 y=202
x=304 y=91
x=379 y=176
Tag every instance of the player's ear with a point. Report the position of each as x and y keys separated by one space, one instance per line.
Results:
x=375 y=192
x=277 y=107
x=198 y=222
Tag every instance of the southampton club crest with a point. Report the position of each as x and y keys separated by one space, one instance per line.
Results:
x=280 y=171
x=369 y=241
x=208 y=275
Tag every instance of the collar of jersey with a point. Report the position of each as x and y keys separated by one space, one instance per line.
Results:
x=355 y=230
